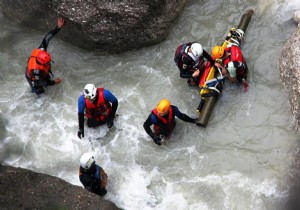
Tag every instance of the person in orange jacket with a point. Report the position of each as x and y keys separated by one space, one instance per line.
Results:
x=38 y=71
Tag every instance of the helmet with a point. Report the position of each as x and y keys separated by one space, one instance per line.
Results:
x=43 y=57
x=87 y=160
x=163 y=106
x=217 y=52
x=90 y=91
x=197 y=51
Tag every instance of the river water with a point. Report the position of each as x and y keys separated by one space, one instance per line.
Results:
x=240 y=161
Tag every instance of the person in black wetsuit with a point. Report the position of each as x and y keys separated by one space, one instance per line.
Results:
x=163 y=119
x=38 y=71
x=190 y=59
x=91 y=175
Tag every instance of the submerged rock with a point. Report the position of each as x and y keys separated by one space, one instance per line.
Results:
x=24 y=189
x=105 y=26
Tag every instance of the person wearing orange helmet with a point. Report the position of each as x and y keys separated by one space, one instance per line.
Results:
x=38 y=71
x=190 y=60
x=233 y=63
x=163 y=119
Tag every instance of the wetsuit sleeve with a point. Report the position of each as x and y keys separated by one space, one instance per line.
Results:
x=108 y=96
x=147 y=126
x=181 y=115
x=208 y=57
x=81 y=108
x=48 y=37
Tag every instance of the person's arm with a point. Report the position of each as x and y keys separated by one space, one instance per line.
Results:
x=51 y=34
x=183 y=116
x=184 y=71
x=147 y=126
x=81 y=108
x=114 y=101
x=208 y=57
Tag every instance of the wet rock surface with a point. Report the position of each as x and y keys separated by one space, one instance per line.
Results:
x=105 y=26
x=24 y=189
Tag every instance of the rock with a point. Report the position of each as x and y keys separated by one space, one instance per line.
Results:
x=24 y=189
x=289 y=67
x=106 y=26
x=297 y=16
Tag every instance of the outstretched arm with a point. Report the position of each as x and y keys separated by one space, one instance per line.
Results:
x=183 y=116
x=51 y=34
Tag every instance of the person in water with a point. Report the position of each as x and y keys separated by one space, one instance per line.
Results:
x=190 y=59
x=231 y=59
x=91 y=175
x=99 y=105
x=163 y=119
x=38 y=71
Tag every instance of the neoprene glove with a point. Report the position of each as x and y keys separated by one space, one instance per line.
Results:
x=110 y=123
x=80 y=133
x=157 y=140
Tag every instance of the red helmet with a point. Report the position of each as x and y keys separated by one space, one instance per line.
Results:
x=43 y=57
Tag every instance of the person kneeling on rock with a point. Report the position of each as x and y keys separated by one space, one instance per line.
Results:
x=91 y=175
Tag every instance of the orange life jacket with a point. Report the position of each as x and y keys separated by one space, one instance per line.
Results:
x=101 y=111
x=33 y=65
x=169 y=123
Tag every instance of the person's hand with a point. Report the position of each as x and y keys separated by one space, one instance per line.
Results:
x=157 y=140
x=60 y=22
x=110 y=123
x=246 y=86
x=196 y=73
x=58 y=80
x=80 y=133
x=195 y=120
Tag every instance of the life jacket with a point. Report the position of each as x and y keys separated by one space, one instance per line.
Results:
x=181 y=53
x=33 y=65
x=239 y=61
x=101 y=111
x=168 y=124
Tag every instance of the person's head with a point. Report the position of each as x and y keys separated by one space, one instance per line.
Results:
x=90 y=92
x=43 y=57
x=195 y=51
x=163 y=107
x=87 y=161
x=217 y=52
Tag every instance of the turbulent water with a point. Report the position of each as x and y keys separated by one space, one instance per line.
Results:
x=240 y=161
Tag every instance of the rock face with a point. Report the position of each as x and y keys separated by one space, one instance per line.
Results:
x=102 y=25
x=289 y=66
x=24 y=189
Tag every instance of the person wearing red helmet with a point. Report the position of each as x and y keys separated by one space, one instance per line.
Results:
x=38 y=71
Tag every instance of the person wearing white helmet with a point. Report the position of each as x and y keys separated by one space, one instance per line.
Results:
x=99 y=105
x=91 y=175
x=190 y=59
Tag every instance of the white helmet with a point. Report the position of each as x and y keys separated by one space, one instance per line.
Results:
x=197 y=51
x=86 y=160
x=90 y=91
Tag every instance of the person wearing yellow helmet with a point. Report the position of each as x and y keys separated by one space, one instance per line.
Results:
x=190 y=60
x=38 y=71
x=234 y=65
x=163 y=119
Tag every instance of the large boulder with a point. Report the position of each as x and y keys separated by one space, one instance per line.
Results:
x=289 y=66
x=102 y=25
x=24 y=189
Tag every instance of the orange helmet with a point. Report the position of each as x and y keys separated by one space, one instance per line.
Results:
x=217 y=52
x=43 y=57
x=163 y=106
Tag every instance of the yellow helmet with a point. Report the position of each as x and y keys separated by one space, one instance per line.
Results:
x=217 y=52
x=163 y=106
